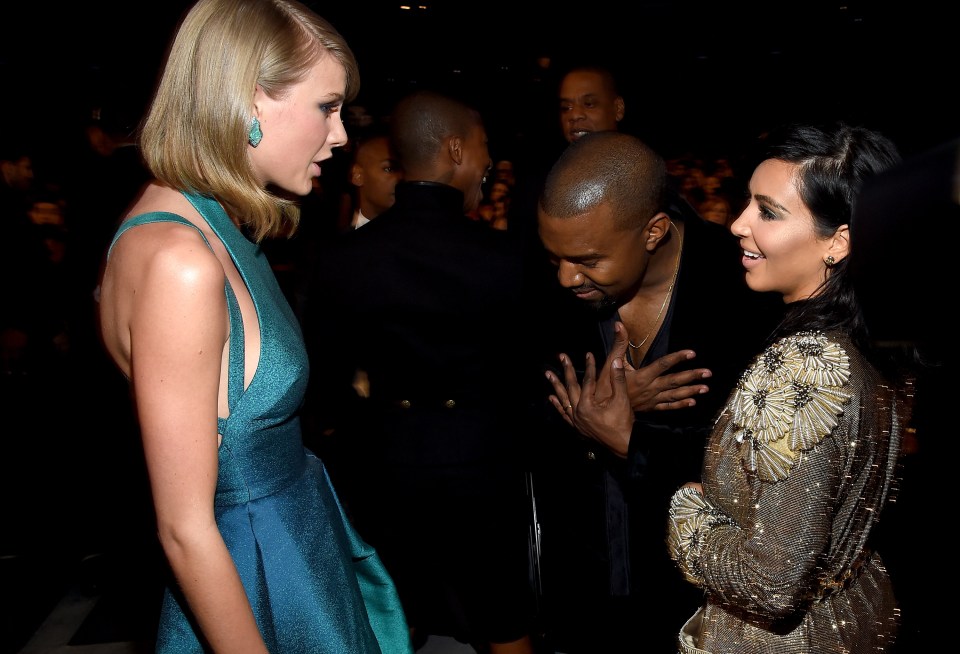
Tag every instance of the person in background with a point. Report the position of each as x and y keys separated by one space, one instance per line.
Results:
x=589 y=102
x=263 y=557
x=716 y=209
x=503 y=172
x=495 y=207
x=374 y=174
x=425 y=301
x=626 y=253
x=356 y=190
x=804 y=455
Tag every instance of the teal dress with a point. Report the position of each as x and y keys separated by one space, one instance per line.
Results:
x=314 y=585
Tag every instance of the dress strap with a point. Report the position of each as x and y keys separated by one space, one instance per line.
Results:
x=235 y=381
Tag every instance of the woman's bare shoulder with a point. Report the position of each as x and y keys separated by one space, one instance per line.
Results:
x=169 y=248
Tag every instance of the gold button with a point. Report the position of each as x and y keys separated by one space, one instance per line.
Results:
x=449 y=404
x=405 y=404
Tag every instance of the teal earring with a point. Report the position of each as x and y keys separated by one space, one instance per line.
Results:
x=256 y=135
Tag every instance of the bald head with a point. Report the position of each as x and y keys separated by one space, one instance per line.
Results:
x=421 y=123
x=606 y=167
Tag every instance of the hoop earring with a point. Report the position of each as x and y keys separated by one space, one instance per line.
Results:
x=256 y=135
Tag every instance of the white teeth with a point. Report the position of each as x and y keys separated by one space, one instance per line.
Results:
x=752 y=255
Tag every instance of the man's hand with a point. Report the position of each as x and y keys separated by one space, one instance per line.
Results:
x=601 y=412
x=603 y=407
x=652 y=388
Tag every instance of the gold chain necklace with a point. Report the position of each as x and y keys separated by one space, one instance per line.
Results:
x=676 y=272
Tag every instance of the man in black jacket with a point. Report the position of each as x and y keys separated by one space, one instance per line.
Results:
x=426 y=302
x=628 y=251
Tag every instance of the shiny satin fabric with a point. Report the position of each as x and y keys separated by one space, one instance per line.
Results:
x=315 y=587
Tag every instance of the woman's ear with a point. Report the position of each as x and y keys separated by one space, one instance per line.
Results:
x=839 y=244
x=258 y=95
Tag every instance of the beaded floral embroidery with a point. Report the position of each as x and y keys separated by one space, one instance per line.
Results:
x=788 y=401
x=691 y=517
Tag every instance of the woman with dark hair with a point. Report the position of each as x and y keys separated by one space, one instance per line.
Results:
x=804 y=455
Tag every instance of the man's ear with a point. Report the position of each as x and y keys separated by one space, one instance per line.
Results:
x=455 y=149
x=839 y=243
x=658 y=227
x=621 y=108
x=356 y=175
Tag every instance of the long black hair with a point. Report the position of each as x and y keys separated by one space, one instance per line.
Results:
x=833 y=163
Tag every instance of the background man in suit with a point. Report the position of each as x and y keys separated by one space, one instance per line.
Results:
x=426 y=302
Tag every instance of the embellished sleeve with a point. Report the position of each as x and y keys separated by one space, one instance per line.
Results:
x=788 y=401
x=757 y=537
x=691 y=517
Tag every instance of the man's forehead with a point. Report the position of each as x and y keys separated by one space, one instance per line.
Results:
x=592 y=225
x=584 y=83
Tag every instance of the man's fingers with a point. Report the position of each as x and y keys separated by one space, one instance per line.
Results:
x=590 y=376
x=569 y=372
x=668 y=361
x=671 y=406
x=682 y=392
x=685 y=378
x=619 y=375
x=619 y=350
x=563 y=409
x=558 y=386
x=621 y=339
x=571 y=384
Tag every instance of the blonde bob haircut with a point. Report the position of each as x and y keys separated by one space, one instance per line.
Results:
x=195 y=134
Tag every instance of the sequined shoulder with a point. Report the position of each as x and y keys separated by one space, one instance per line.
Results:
x=788 y=401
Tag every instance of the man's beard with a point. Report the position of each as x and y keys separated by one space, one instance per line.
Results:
x=603 y=305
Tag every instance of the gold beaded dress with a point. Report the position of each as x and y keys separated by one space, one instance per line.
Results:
x=798 y=467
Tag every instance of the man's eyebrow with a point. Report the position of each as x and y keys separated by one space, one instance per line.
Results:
x=593 y=256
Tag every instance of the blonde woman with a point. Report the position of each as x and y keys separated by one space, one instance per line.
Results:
x=261 y=553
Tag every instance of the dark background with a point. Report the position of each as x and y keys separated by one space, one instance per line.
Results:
x=697 y=76
x=703 y=77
